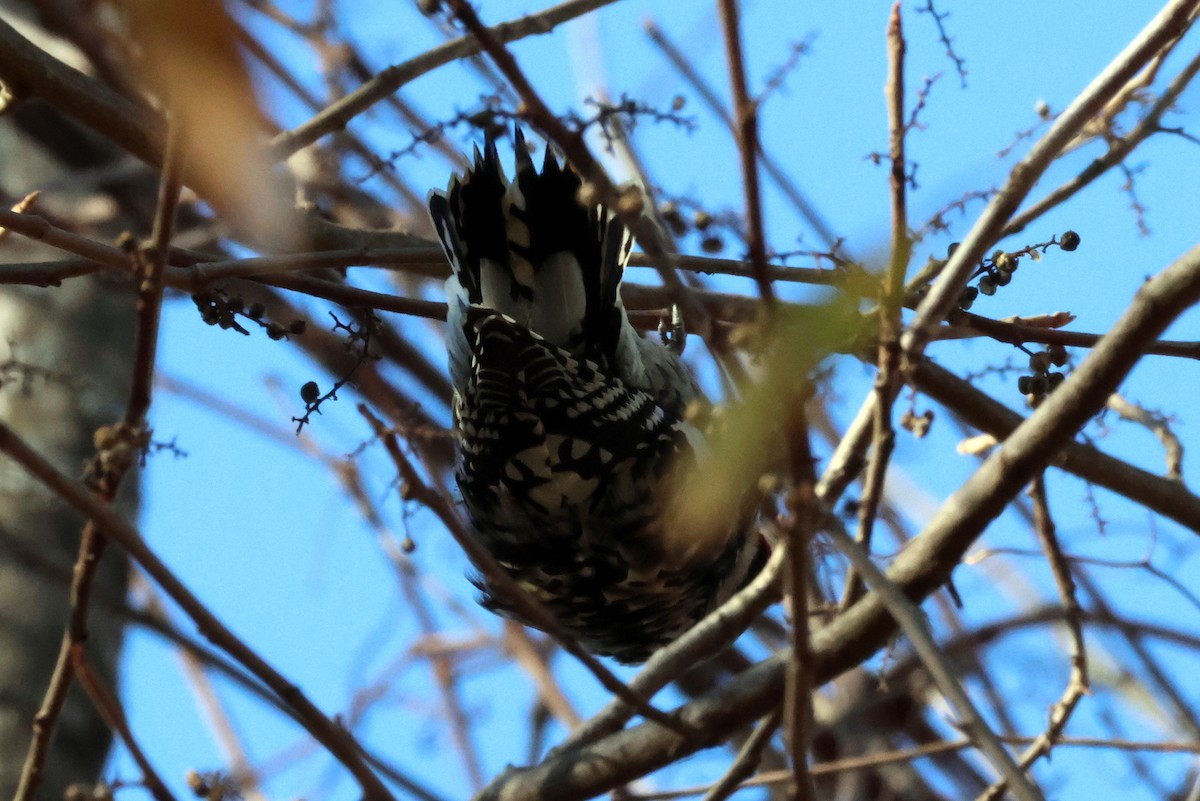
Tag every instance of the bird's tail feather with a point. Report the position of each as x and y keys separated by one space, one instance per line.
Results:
x=530 y=250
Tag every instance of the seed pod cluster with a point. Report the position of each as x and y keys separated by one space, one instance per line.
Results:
x=1041 y=380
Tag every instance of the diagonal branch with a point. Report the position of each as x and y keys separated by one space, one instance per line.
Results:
x=336 y=740
x=1170 y=23
x=1118 y=150
x=920 y=569
x=908 y=615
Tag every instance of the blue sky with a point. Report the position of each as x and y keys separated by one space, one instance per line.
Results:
x=257 y=528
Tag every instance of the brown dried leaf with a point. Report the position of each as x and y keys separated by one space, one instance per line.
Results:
x=191 y=60
x=1052 y=320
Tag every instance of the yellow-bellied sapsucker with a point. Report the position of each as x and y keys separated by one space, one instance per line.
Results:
x=567 y=419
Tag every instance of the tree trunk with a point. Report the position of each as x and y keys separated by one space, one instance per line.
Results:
x=65 y=357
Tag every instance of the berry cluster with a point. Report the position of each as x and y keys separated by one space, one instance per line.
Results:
x=998 y=270
x=1042 y=380
x=217 y=308
x=702 y=222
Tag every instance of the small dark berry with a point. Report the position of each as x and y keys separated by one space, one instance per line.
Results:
x=1055 y=379
x=1005 y=263
x=1039 y=362
x=407 y=545
x=950 y=250
x=967 y=297
x=1002 y=277
x=1038 y=385
x=297 y=327
x=1023 y=384
x=310 y=392
x=987 y=285
x=276 y=331
x=1069 y=241
x=670 y=214
x=211 y=316
x=236 y=304
x=712 y=244
x=1058 y=355
x=256 y=311
x=702 y=219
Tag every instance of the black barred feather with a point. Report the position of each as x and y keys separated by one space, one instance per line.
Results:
x=568 y=421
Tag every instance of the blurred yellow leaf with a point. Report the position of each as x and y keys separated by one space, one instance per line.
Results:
x=718 y=495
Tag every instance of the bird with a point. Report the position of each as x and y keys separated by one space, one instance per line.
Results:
x=568 y=422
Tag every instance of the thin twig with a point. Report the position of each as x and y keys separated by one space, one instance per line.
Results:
x=39 y=229
x=1017 y=331
x=525 y=653
x=747 y=759
x=22 y=206
x=338 y=115
x=687 y=69
x=1158 y=425
x=1119 y=149
x=222 y=727
x=885 y=758
x=1077 y=684
x=939 y=19
x=47 y=715
x=847 y=460
x=745 y=111
x=109 y=709
x=150 y=287
x=337 y=741
x=1153 y=673
x=427 y=262
x=891 y=303
x=803 y=522
x=446 y=675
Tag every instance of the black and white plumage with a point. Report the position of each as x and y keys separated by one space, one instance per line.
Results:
x=567 y=419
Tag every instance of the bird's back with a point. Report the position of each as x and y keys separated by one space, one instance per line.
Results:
x=568 y=421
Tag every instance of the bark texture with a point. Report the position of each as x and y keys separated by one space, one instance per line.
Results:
x=65 y=356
